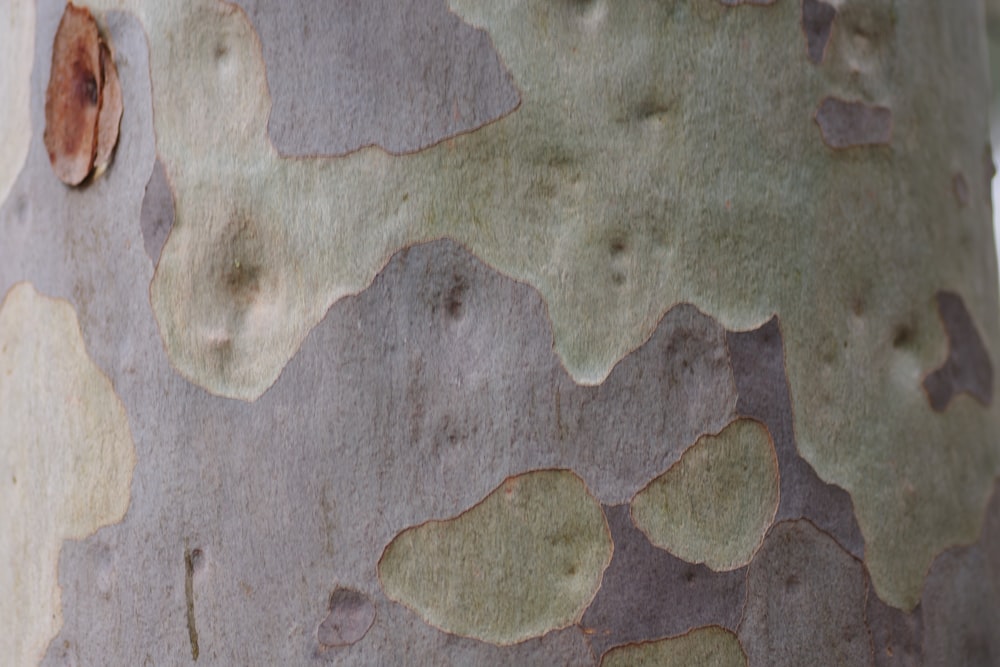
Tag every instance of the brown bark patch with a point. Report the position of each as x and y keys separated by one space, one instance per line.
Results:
x=83 y=101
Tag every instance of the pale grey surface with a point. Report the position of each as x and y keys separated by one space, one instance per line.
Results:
x=400 y=75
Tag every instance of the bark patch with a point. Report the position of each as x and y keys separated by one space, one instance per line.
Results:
x=157 y=214
x=968 y=367
x=817 y=22
x=351 y=614
x=805 y=601
x=844 y=124
x=712 y=646
x=758 y=361
x=526 y=560
x=714 y=505
x=647 y=593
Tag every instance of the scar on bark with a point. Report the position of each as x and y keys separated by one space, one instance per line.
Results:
x=967 y=367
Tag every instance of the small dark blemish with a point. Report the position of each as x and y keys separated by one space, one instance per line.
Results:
x=617 y=246
x=902 y=335
x=846 y=124
x=817 y=22
x=967 y=367
x=618 y=278
x=351 y=614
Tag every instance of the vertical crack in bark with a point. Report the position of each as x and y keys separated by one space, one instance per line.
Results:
x=189 y=595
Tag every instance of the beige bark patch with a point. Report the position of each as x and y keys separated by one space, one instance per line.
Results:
x=714 y=505
x=17 y=44
x=525 y=561
x=66 y=460
x=703 y=647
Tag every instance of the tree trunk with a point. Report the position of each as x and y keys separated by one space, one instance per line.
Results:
x=532 y=332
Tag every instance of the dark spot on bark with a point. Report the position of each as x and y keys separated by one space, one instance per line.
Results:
x=618 y=278
x=243 y=282
x=961 y=189
x=817 y=22
x=968 y=367
x=648 y=593
x=758 y=362
x=902 y=335
x=455 y=299
x=845 y=124
x=617 y=246
x=350 y=615
x=157 y=214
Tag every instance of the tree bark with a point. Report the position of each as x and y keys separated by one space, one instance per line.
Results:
x=535 y=332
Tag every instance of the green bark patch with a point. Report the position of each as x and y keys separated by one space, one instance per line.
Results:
x=525 y=561
x=714 y=505
x=702 y=647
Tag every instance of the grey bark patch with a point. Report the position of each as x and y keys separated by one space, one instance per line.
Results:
x=344 y=81
x=897 y=636
x=961 y=602
x=968 y=367
x=647 y=593
x=805 y=601
x=408 y=402
x=733 y=3
x=758 y=362
x=844 y=124
x=817 y=22
x=157 y=215
x=350 y=615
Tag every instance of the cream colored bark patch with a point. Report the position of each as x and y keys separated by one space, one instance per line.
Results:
x=525 y=561
x=640 y=171
x=66 y=460
x=703 y=647
x=716 y=503
x=17 y=50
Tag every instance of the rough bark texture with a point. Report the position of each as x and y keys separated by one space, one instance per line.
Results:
x=395 y=326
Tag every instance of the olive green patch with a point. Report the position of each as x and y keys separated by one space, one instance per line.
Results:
x=715 y=504
x=526 y=560
x=703 y=647
x=66 y=460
